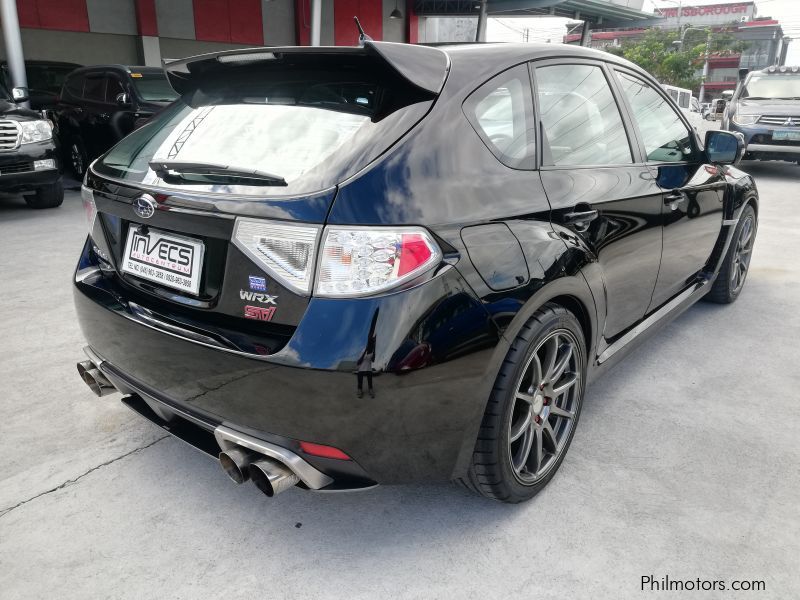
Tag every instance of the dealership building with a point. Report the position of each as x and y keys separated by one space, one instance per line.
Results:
x=145 y=31
x=766 y=44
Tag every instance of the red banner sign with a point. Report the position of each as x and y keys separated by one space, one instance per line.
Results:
x=699 y=11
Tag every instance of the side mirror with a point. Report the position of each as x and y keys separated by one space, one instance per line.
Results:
x=20 y=94
x=743 y=73
x=724 y=147
x=123 y=99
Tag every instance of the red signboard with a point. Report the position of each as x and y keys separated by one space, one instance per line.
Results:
x=734 y=9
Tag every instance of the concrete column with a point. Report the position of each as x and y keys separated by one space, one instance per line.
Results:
x=483 y=16
x=149 y=50
x=14 y=55
x=316 y=22
x=586 y=34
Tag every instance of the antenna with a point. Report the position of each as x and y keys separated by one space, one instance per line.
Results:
x=362 y=37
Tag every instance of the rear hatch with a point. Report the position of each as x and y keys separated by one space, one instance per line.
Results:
x=207 y=220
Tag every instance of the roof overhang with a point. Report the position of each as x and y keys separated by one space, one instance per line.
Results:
x=594 y=11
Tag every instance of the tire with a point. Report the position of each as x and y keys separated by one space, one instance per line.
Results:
x=726 y=288
x=500 y=468
x=49 y=196
x=77 y=158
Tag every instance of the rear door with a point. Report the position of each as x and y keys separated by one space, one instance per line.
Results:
x=597 y=184
x=94 y=130
x=691 y=210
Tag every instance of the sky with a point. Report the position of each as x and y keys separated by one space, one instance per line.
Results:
x=553 y=29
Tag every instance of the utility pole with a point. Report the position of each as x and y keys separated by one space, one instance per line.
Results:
x=705 y=68
x=14 y=54
x=483 y=16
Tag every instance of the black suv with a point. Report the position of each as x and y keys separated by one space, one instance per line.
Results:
x=102 y=104
x=45 y=79
x=338 y=267
x=28 y=155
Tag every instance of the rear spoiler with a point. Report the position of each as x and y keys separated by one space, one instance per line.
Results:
x=422 y=66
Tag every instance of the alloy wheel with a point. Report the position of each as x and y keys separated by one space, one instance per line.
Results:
x=545 y=409
x=742 y=253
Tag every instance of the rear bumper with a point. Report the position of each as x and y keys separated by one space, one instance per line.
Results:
x=420 y=425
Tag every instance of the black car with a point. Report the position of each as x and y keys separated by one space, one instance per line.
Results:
x=45 y=79
x=28 y=155
x=102 y=104
x=765 y=109
x=340 y=267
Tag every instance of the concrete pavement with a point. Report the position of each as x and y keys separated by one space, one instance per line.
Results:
x=685 y=464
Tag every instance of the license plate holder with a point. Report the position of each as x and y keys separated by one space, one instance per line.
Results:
x=782 y=135
x=166 y=258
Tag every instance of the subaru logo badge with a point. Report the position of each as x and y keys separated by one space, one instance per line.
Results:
x=144 y=206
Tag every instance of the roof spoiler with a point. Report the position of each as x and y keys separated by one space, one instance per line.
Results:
x=422 y=66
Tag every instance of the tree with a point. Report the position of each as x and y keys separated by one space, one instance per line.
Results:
x=656 y=54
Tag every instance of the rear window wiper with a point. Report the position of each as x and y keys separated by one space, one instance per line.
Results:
x=183 y=169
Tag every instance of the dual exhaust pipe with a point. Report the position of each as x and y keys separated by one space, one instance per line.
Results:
x=269 y=475
x=93 y=378
x=239 y=463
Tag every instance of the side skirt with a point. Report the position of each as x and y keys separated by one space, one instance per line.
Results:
x=651 y=324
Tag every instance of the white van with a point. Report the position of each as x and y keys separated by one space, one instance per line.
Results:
x=687 y=103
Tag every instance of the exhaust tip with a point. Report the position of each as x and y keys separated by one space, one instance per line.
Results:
x=94 y=379
x=271 y=477
x=235 y=463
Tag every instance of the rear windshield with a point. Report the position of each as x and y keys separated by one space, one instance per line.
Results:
x=47 y=78
x=305 y=127
x=153 y=87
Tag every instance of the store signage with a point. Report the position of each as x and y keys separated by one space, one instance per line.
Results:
x=734 y=10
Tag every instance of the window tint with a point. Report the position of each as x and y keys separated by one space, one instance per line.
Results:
x=95 y=89
x=666 y=138
x=113 y=89
x=580 y=118
x=501 y=112
x=288 y=119
x=74 y=86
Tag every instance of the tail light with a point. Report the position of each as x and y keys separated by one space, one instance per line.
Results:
x=358 y=261
x=353 y=261
x=286 y=252
x=89 y=207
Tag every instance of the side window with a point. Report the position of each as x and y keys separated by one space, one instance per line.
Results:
x=666 y=138
x=95 y=89
x=683 y=99
x=501 y=112
x=74 y=86
x=113 y=89
x=580 y=119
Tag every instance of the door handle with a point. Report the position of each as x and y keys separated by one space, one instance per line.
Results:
x=581 y=218
x=674 y=198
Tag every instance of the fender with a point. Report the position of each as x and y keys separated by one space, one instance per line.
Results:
x=571 y=288
x=739 y=192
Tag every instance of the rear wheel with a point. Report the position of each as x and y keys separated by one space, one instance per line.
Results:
x=733 y=273
x=49 y=196
x=533 y=410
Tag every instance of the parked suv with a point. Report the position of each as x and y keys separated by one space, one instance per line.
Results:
x=28 y=156
x=338 y=267
x=45 y=79
x=102 y=104
x=765 y=109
